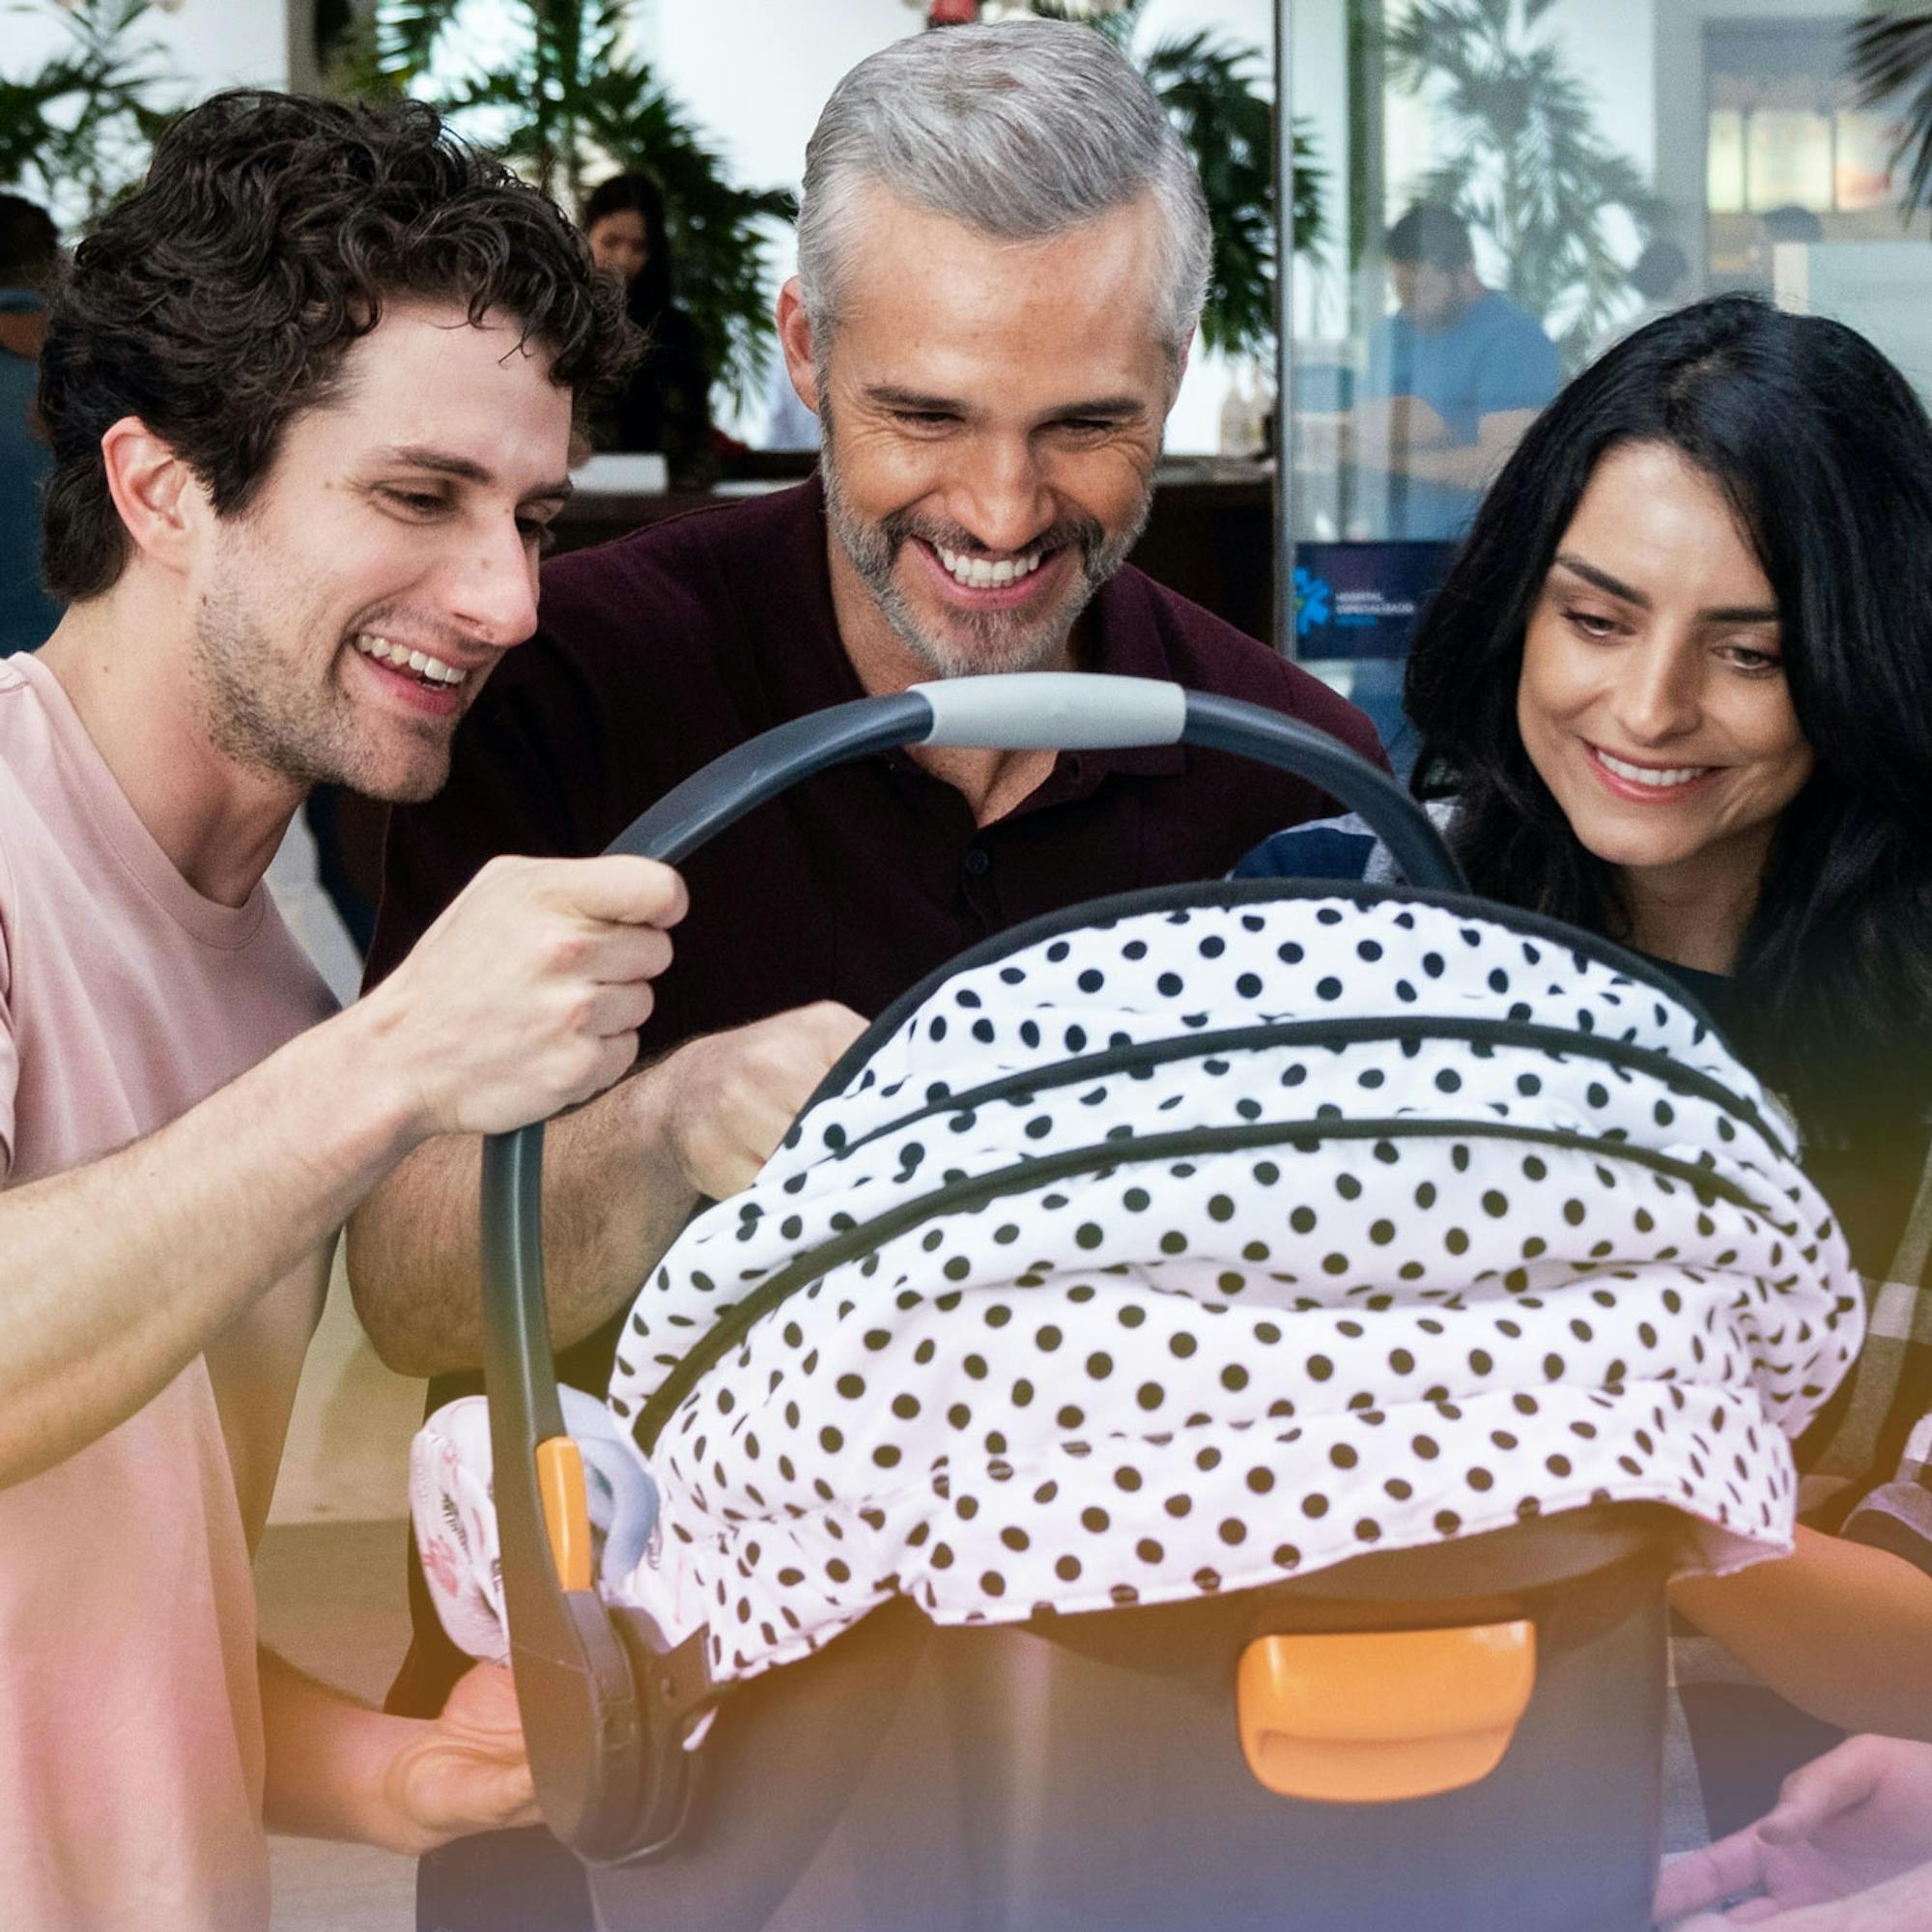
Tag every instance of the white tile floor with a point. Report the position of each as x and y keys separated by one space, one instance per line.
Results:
x=329 y=1578
x=330 y=1575
x=331 y=1596
x=346 y=1459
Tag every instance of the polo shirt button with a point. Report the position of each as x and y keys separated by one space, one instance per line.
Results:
x=978 y=860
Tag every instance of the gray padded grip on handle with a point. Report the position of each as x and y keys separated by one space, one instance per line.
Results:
x=1054 y=711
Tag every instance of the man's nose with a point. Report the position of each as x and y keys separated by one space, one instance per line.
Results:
x=493 y=594
x=999 y=493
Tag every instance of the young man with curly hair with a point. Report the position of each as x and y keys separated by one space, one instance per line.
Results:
x=310 y=395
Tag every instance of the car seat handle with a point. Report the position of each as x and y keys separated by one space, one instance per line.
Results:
x=1043 y=711
x=608 y=1777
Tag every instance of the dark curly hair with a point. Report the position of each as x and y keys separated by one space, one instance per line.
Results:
x=219 y=301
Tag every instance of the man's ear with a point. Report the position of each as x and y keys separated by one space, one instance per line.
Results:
x=795 y=339
x=161 y=502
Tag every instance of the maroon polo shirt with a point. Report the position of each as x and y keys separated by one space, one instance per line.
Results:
x=663 y=649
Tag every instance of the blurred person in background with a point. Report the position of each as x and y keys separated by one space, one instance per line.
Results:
x=29 y=251
x=666 y=405
x=1455 y=377
x=1776 y=226
x=1661 y=277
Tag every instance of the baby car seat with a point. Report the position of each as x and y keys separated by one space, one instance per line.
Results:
x=1193 y=1427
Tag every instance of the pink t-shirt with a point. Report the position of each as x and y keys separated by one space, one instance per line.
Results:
x=131 y=1727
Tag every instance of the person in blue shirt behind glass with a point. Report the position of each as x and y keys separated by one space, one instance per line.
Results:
x=1455 y=377
x=29 y=248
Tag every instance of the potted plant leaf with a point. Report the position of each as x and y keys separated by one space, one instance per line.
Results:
x=569 y=98
x=1891 y=58
x=76 y=131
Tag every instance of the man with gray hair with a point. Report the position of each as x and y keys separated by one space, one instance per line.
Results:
x=1003 y=250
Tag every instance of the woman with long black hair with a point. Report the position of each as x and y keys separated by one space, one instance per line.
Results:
x=666 y=405
x=1811 y=869
x=1677 y=689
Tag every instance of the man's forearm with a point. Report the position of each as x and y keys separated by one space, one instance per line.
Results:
x=614 y=1199
x=1464 y=466
x=328 y=1760
x=1839 y=1629
x=621 y=1176
x=115 y=1275
x=338 y=1770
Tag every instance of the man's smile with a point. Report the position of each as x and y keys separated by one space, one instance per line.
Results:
x=976 y=581
x=979 y=572
x=428 y=685
x=401 y=657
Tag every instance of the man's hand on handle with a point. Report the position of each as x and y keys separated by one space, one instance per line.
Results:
x=526 y=996
x=729 y=1098
x=467 y=1770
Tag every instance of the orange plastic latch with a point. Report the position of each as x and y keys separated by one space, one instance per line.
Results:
x=1375 y=1716
x=566 y=1510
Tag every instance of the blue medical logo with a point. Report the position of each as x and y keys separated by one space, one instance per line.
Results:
x=1314 y=601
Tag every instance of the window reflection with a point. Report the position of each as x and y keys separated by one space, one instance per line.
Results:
x=1609 y=164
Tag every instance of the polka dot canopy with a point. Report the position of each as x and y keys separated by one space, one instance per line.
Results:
x=1220 y=1236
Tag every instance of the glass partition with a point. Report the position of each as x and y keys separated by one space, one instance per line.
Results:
x=1510 y=187
x=1496 y=168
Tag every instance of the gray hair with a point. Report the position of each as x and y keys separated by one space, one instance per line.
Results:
x=1022 y=129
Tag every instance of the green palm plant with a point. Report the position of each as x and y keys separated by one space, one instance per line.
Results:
x=77 y=133
x=571 y=100
x=1211 y=93
x=1527 y=166
x=1891 y=56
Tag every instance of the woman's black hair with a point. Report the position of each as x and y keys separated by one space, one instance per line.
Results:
x=1826 y=456
x=650 y=293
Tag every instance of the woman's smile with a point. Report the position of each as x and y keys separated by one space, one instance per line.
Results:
x=1651 y=699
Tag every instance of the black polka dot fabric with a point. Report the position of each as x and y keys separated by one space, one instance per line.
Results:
x=1205 y=1246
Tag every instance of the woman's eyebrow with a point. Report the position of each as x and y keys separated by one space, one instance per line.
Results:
x=1603 y=580
x=1719 y=614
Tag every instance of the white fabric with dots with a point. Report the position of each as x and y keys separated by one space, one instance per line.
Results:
x=1158 y=1373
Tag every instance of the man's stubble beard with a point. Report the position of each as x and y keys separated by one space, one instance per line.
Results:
x=260 y=712
x=1001 y=640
